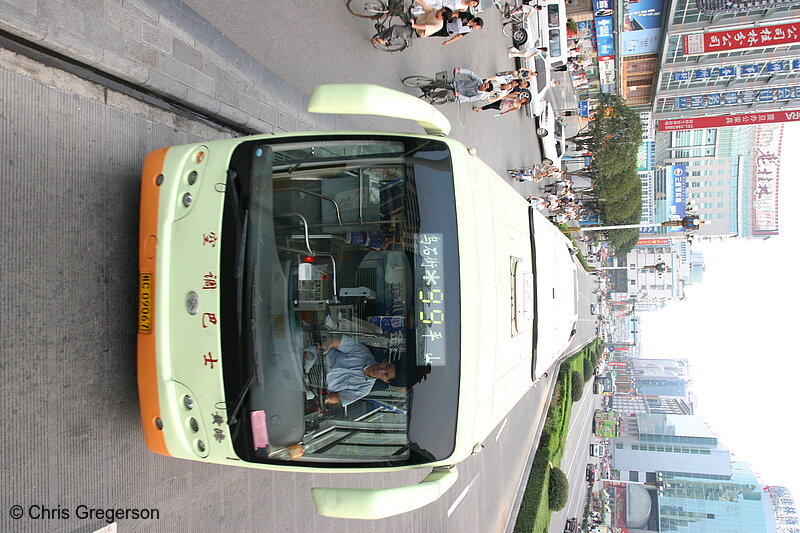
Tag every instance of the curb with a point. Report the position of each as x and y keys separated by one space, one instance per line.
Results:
x=171 y=51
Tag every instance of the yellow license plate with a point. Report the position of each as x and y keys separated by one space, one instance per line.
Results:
x=145 y=302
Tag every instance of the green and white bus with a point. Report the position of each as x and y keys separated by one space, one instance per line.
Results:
x=259 y=254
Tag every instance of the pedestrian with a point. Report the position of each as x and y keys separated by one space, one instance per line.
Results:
x=526 y=54
x=458 y=27
x=506 y=104
x=425 y=25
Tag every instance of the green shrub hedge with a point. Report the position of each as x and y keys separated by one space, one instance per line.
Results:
x=577 y=385
x=557 y=489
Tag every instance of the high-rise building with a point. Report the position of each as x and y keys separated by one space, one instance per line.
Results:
x=655 y=443
x=675 y=476
x=731 y=175
x=712 y=65
x=689 y=503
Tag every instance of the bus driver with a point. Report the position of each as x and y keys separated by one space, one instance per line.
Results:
x=352 y=370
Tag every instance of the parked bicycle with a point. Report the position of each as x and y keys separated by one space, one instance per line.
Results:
x=384 y=12
x=437 y=90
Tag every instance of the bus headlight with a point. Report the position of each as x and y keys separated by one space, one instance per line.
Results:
x=187 y=418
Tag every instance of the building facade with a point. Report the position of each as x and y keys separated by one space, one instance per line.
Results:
x=689 y=504
x=742 y=62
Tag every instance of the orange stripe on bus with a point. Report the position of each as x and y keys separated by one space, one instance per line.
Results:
x=147 y=375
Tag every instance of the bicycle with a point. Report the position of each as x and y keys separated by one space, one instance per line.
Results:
x=384 y=13
x=437 y=90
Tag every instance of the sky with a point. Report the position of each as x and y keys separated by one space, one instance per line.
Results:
x=738 y=329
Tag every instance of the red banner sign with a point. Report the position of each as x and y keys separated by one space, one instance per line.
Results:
x=742 y=39
x=721 y=121
x=653 y=242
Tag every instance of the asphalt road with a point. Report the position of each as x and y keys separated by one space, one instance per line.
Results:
x=576 y=457
x=71 y=162
x=308 y=42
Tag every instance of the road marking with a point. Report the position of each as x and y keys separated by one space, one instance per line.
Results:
x=110 y=528
x=461 y=496
x=500 y=432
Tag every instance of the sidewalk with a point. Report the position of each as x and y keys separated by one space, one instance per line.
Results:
x=169 y=49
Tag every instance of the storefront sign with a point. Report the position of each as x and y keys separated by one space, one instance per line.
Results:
x=604 y=29
x=607 y=71
x=726 y=71
x=731 y=98
x=747 y=70
x=728 y=120
x=743 y=39
x=676 y=194
x=776 y=66
x=766 y=171
x=602 y=8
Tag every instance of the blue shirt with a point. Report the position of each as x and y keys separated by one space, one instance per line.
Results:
x=346 y=366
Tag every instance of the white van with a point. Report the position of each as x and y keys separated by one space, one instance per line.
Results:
x=549 y=27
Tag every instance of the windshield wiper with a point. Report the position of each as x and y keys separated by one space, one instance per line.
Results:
x=297 y=165
x=260 y=184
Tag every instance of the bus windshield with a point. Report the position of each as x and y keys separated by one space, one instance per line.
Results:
x=340 y=300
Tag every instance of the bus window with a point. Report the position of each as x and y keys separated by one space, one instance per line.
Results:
x=348 y=241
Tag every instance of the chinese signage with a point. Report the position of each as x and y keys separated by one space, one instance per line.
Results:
x=743 y=39
x=729 y=71
x=766 y=169
x=617 y=493
x=676 y=194
x=648 y=126
x=608 y=73
x=728 y=120
x=604 y=29
x=653 y=242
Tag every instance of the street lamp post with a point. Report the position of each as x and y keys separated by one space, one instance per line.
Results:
x=690 y=223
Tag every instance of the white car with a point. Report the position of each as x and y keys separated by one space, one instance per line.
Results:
x=551 y=135
x=547 y=25
x=597 y=450
x=539 y=84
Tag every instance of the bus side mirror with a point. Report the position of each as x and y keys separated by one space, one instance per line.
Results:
x=370 y=504
x=366 y=99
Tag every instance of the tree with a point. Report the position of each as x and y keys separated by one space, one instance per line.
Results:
x=557 y=489
x=613 y=138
